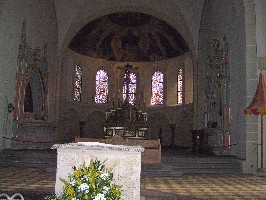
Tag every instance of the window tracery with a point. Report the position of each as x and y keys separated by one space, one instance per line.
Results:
x=101 y=87
x=179 y=87
x=78 y=83
x=132 y=88
x=157 y=88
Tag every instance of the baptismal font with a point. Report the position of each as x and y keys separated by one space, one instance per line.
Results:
x=126 y=119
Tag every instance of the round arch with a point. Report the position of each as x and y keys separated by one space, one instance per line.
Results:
x=94 y=125
x=87 y=13
x=160 y=128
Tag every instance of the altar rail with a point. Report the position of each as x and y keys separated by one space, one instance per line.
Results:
x=151 y=154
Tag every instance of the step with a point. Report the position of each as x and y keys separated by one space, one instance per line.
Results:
x=43 y=159
x=194 y=165
x=170 y=166
x=161 y=170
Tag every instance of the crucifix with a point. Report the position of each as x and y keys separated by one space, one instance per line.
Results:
x=127 y=80
x=128 y=69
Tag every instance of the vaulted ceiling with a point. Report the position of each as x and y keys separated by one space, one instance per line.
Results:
x=129 y=36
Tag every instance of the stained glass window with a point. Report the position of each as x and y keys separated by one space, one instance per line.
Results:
x=78 y=83
x=157 y=88
x=132 y=85
x=101 y=94
x=179 y=86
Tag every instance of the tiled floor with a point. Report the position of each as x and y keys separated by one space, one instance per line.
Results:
x=211 y=186
x=192 y=186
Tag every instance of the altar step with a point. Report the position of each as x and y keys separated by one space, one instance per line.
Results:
x=18 y=144
x=171 y=166
x=159 y=170
x=29 y=158
x=177 y=166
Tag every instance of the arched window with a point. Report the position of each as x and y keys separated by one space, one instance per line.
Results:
x=157 y=88
x=179 y=87
x=101 y=87
x=132 y=88
x=78 y=83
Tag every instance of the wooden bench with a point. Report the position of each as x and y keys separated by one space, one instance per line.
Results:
x=151 y=154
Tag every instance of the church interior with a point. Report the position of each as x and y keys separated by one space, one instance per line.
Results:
x=180 y=78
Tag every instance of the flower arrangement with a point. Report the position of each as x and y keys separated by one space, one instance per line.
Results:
x=87 y=183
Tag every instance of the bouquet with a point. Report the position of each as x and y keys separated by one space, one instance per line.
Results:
x=89 y=183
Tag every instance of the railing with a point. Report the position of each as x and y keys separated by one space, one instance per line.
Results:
x=16 y=196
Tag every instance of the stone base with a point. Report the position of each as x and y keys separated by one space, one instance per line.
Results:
x=260 y=172
x=33 y=135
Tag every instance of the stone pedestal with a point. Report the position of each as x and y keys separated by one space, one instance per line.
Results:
x=33 y=135
x=124 y=162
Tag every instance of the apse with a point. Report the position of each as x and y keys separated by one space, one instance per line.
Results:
x=129 y=37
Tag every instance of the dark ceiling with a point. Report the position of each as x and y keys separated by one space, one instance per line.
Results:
x=129 y=36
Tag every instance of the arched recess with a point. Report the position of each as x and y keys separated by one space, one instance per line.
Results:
x=38 y=91
x=69 y=125
x=183 y=129
x=94 y=125
x=160 y=128
x=28 y=100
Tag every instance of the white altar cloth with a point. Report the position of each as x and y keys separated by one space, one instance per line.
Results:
x=124 y=162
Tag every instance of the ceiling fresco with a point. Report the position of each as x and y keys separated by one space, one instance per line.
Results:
x=129 y=36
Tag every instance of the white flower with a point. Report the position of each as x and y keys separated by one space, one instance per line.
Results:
x=104 y=176
x=100 y=197
x=83 y=187
x=100 y=167
x=73 y=182
x=105 y=189
x=85 y=178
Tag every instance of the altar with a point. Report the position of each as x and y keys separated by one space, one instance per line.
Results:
x=127 y=122
x=127 y=119
x=124 y=161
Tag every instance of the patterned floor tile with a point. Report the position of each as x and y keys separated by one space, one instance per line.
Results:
x=202 y=186
x=211 y=186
